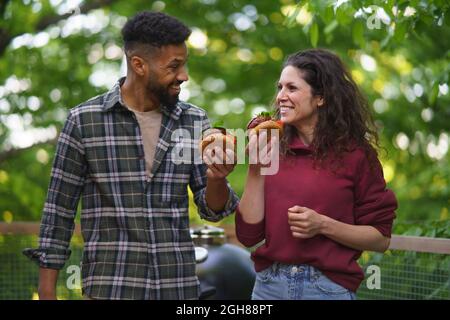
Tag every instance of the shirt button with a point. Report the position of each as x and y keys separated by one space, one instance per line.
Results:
x=294 y=270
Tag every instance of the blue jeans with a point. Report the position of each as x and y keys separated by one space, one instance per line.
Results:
x=297 y=282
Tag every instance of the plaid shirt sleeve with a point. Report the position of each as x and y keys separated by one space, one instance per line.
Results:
x=67 y=178
x=198 y=186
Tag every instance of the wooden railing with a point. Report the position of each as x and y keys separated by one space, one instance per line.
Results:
x=404 y=243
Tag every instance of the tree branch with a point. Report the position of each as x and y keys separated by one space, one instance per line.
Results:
x=5 y=40
x=44 y=22
x=91 y=5
x=3 y=6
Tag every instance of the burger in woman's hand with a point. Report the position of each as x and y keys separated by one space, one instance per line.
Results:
x=264 y=121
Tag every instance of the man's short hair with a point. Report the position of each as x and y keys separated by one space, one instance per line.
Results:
x=153 y=29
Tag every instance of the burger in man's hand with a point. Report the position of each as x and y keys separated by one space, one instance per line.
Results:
x=217 y=136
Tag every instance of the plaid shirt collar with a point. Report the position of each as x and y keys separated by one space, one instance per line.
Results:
x=114 y=99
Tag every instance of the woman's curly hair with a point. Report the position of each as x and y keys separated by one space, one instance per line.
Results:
x=344 y=120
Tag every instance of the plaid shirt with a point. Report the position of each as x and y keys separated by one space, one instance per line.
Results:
x=137 y=242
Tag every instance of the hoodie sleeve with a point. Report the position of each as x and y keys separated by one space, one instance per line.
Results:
x=375 y=205
x=249 y=234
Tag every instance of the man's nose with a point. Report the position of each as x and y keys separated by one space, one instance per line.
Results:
x=183 y=75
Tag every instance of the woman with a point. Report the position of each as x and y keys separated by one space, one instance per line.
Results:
x=328 y=201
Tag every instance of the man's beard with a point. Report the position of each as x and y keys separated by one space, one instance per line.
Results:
x=162 y=94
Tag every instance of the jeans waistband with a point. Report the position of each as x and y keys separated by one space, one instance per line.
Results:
x=295 y=270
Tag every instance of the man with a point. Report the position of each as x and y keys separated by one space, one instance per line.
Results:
x=115 y=151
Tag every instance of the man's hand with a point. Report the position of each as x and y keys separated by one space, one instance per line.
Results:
x=304 y=222
x=218 y=167
x=217 y=192
x=51 y=295
x=47 y=284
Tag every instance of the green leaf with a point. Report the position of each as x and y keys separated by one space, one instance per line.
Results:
x=431 y=233
x=402 y=6
x=328 y=16
x=330 y=27
x=385 y=41
x=415 y=231
x=264 y=114
x=345 y=13
x=400 y=31
x=290 y=20
x=314 y=34
x=358 y=34
x=433 y=94
x=218 y=124
x=428 y=20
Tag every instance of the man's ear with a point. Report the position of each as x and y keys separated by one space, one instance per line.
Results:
x=138 y=65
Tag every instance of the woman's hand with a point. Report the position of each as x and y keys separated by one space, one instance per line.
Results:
x=260 y=151
x=305 y=223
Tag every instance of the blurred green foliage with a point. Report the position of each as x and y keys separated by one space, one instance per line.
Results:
x=52 y=59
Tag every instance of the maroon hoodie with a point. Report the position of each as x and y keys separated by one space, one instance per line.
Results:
x=355 y=194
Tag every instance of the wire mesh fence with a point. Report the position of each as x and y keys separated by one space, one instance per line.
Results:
x=19 y=276
x=405 y=275
x=392 y=275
